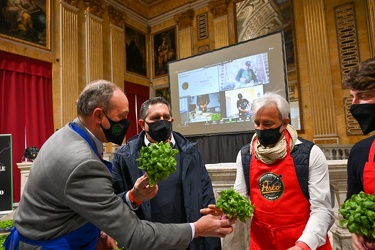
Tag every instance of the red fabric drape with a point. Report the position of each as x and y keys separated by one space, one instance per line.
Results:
x=136 y=95
x=25 y=106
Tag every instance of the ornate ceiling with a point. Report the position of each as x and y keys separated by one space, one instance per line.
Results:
x=150 y=9
x=147 y=2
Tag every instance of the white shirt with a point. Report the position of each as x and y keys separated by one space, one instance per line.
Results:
x=321 y=215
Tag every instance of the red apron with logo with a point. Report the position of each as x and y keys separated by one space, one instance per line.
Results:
x=369 y=172
x=281 y=209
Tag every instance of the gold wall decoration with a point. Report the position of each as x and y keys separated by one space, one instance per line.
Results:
x=185 y=19
x=203 y=49
x=69 y=62
x=347 y=38
x=94 y=7
x=118 y=55
x=94 y=43
x=185 y=43
x=27 y=23
x=218 y=7
x=73 y=3
x=319 y=70
x=202 y=26
x=221 y=32
x=258 y=18
x=352 y=126
x=116 y=17
x=185 y=22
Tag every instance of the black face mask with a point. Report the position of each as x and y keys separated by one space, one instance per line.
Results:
x=117 y=131
x=365 y=116
x=268 y=137
x=160 y=130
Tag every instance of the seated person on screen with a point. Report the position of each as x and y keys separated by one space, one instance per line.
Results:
x=246 y=74
x=202 y=102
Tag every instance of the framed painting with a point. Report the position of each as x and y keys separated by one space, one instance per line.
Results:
x=164 y=92
x=136 y=56
x=164 y=51
x=26 y=22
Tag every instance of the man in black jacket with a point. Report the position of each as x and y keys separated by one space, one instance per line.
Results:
x=361 y=82
x=184 y=192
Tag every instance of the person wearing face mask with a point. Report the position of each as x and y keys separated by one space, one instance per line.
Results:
x=361 y=162
x=286 y=178
x=69 y=202
x=184 y=192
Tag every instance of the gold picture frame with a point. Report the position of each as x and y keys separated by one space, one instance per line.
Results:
x=163 y=91
x=29 y=25
x=136 y=55
x=164 y=51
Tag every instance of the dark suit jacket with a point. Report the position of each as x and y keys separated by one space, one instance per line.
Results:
x=196 y=183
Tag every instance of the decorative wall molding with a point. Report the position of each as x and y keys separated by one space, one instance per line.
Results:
x=94 y=47
x=352 y=126
x=202 y=26
x=117 y=38
x=185 y=44
x=203 y=49
x=69 y=61
x=73 y=3
x=185 y=19
x=218 y=8
x=257 y=18
x=347 y=37
x=116 y=17
x=319 y=71
x=94 y=7
x=221 y=32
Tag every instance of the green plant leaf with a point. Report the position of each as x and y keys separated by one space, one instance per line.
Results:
x=158 y=161
x=234 y=204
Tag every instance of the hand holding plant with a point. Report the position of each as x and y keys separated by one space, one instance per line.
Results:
x=158 y=161
x=234 y=204
x=358 y=214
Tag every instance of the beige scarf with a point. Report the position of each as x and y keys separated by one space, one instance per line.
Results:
x=269 y=155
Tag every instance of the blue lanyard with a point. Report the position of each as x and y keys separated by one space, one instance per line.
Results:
x=82 y=133
x=84 y=136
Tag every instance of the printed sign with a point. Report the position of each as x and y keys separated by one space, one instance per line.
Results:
x=6 y=194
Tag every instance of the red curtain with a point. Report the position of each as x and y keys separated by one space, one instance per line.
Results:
x=25 y=106
x=136 y=95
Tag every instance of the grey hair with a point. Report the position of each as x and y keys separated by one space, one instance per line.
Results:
x=153 y=100
x=97 y=94
x=269 y=99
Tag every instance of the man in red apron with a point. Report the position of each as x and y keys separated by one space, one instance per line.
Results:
x=287 y=180
x=361 y=166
